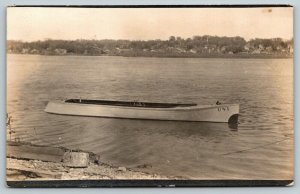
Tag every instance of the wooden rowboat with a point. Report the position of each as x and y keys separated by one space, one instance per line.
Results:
x=146 y=110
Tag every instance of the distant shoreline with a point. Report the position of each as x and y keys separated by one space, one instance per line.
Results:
x=175 y=47
x=231 y=56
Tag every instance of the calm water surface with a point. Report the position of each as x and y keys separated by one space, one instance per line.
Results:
x=261 y=148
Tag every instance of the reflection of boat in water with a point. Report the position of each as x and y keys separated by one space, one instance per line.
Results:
x=146 y=110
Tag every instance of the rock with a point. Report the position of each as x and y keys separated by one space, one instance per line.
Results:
x=144 y=166
x=94 y=158
x=76 y=159
x=97 y=160
x=122 y=169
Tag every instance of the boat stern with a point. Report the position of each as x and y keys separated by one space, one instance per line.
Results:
x=228 y=112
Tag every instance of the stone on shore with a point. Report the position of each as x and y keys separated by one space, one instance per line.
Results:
x=76 y=159
x=123 y=169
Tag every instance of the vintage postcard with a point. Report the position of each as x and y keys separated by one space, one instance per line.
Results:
x=165 y=96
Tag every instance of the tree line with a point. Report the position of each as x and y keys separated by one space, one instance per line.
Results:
x=174 y=46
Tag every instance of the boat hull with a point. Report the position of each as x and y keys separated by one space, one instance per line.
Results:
x=208 y=113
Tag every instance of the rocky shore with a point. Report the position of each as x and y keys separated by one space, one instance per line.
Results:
x=20 y=170
x=33 y=162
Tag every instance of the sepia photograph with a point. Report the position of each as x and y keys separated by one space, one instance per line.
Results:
x=160 y=96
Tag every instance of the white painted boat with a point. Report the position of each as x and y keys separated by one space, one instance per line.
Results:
x=145 y=110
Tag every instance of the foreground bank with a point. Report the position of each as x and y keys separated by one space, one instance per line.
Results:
x=32 y=162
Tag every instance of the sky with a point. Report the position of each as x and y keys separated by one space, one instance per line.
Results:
x=31 y=24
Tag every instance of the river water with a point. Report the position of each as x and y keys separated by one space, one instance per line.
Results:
x=261 y=147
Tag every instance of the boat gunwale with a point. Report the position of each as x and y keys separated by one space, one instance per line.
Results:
x=135 y=104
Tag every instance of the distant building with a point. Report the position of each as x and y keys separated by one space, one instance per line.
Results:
x=60 y=51
x=121 y=50
x=290 y=48
x=247 y=47
x=25 y=51
x=261 y=47
x=180 y=50
x=34 y=51
x=269 y=49
x=223 y=49
x=174 y=50
x=278 y=48
x=256 y=51
x=106 y=51
x=264 y=52
x=193 y=51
